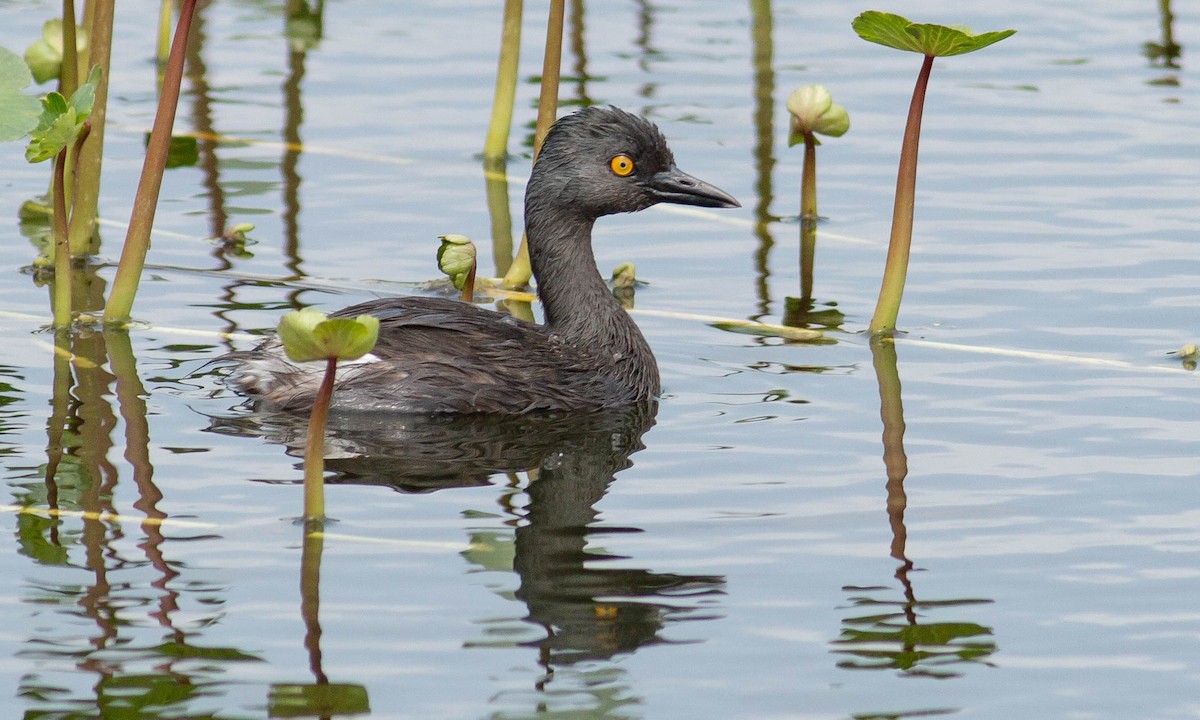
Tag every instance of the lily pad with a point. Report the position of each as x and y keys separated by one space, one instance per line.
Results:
x=901 y=33
x=310 y=335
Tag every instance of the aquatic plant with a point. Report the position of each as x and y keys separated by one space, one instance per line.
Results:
x=813 y=112
x=310 y=335
x=931 y=41
x=141 y=220
x=456 y=258
x=521 y=271
x=53 y=132
x=495 y=148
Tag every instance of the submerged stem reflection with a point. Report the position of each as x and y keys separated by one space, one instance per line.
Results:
x=896 y=634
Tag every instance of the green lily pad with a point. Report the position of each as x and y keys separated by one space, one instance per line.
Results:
x=18 y=112
x=310 y=335
x=900 y=33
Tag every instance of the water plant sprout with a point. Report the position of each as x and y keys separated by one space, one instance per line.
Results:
x=310 y=335
x=456 y=257
x=931 y=41
x=813 y=112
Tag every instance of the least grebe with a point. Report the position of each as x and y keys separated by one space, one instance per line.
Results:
x=443 y=356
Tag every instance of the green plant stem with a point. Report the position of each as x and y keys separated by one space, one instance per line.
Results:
x=62 y=253
x=85 y=196
x=808 y=180
x=141 y=221
x=551 y=69
x=496 y=146
x=808 y=219
x=163 y=46
x=896 y=270
x=68 y=78
x=314 y=447
x=520 y=271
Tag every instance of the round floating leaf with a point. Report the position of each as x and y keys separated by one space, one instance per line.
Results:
x=18 y=112
x=900 y=33
x=311 y=335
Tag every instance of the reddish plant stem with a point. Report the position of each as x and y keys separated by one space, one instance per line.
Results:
x=314 y=447
x=896 y=269
x=141 y=220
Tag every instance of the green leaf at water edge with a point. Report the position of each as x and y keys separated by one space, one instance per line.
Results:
x=85 y=95
x=54 y=132
x=18 y=112
x=900 y=33
x=61 y=120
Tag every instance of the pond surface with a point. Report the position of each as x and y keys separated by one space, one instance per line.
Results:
x=999 y=519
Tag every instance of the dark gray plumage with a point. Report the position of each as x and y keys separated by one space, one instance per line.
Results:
x=443 y=356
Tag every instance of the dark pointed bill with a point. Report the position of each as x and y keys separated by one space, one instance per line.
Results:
x=676 y=186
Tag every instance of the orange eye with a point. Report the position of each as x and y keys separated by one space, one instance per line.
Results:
x=621 y=165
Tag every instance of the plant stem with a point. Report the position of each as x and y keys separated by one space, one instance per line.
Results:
x=163 y=46
x=496 y=146
x=314 y=447
x=68 y=78
x=86 y=194
x=520 y=271
x=808 y=219
x=141 y=221
x=896 y=269
x=468 y=288
x=62 y=252
x=551 y=69
x=808 y=180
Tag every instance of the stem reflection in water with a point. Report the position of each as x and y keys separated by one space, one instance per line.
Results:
x=141 y=656
x=896 y=634
x=321 y=698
